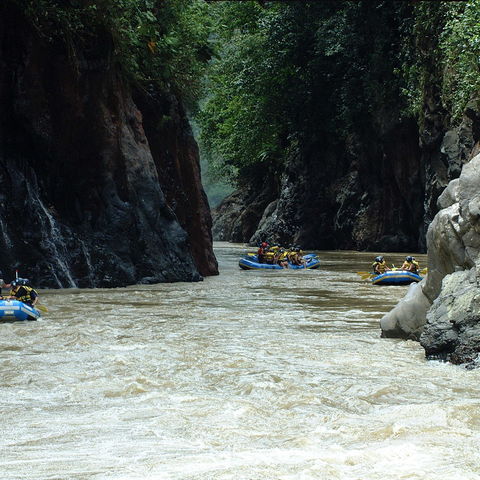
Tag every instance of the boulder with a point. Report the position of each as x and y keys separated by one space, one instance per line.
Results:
x=443 y=310
x=452 y=330
x=406 y=320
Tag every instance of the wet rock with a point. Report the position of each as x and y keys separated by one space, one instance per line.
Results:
x=83 y=198
x=237 y=218
x=444 y=311
x=406 y=320
x=452 y=329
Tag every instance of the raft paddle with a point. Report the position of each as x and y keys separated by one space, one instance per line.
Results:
x=42 y=308
x=366 y=275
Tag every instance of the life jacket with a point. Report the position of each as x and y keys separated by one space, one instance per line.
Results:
x=269 y=256
x=415 y=264
x=382 y=266
x=25 y=294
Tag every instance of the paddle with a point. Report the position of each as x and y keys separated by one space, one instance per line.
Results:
x=365 y=275
x=41 y=308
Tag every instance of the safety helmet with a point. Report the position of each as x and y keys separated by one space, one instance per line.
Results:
x=379 y=259
x=264 y=244
x=23 y=281
x=409 y=259
x=14 y=283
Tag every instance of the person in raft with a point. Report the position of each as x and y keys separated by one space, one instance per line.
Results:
x=2 y=283
x=410 y=264
x=23 y=293
x=379 y=265
x=261 y=252
x=282 y=258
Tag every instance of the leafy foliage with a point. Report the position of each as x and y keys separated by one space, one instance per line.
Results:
x=460 y=46
x=284 y=73
x=295 y=72
x=162 y=41
x=444 y=57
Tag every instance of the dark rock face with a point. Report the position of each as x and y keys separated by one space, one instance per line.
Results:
x=176 y=157
x=238 y=216
x=364 y=195
x=81 y=202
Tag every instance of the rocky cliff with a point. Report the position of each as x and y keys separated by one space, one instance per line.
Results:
x=443 y=311
x=364 y=194
x=100 y=181
x=377 y=191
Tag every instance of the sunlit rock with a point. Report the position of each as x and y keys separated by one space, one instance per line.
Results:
x=445 y=306
x=452 y=331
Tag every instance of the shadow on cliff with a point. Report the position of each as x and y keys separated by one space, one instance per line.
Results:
x=97 y=189
x=365 y=193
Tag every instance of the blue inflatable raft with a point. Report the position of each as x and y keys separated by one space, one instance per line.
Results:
x=396 y=277
x=250 y=262
x=13 y=310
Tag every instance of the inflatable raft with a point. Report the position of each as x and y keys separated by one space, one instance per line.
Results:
x=396 y=277
x=13 y=310
x=250 y=262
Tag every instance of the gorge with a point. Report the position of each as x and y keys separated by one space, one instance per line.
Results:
x=364 y=140
x=339 y=124
x=100 y=180
x=351 y=128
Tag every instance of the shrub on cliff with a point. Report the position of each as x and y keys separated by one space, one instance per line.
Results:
x=293 y=73
x=160 y=41
x=444 y=57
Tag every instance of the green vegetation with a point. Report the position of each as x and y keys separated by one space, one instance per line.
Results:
x=159 y=41
x=283 y=74
x=444 y=56
x=289 y=73
x=460 y=46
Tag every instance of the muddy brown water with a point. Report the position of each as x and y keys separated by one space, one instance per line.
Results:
x=249 y=375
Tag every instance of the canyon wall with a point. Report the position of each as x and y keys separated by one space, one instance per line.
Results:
x=100 y=180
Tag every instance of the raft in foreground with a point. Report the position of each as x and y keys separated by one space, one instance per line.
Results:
x=396 y=277
x=250 y=262
x=13 y=310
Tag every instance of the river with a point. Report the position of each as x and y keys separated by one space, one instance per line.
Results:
x=251 y=375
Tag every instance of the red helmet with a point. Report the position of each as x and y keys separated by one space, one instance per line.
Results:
x=264 y=244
